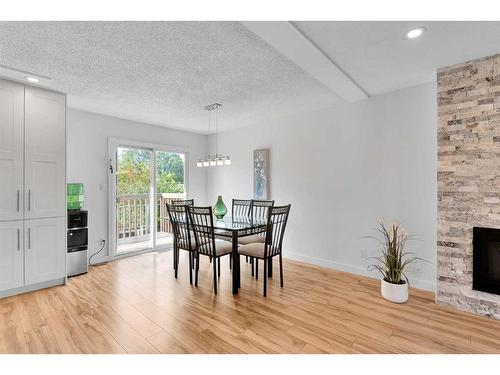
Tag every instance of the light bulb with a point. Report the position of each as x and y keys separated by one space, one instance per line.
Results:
x=220 y=162
x=205 y=163
x=227 y=161
x=213 y=163
x=199 y=163
x=415 y=33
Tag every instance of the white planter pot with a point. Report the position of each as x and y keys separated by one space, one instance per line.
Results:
x=397 y=293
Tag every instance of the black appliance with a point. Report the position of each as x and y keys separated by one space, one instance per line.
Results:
x=77 y=259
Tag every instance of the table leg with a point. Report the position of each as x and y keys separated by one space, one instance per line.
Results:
x=236 y=264
x=270 y=267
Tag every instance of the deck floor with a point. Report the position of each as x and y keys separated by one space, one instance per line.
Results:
x=162 y=239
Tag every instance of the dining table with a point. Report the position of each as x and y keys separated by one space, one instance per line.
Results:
x=233 y=229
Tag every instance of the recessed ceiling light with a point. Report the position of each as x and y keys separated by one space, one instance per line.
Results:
x=32 y=79
x=415 y=33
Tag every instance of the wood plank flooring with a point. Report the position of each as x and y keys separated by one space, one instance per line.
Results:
x=135 y=305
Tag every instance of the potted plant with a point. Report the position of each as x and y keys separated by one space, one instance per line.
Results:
x=393 y=261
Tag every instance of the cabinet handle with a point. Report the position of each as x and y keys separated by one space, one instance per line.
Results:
x=29 y=200
x=18 y=239
x=29 y=238
x=17 y=200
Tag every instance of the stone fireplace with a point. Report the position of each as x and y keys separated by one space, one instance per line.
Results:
x=469 y=185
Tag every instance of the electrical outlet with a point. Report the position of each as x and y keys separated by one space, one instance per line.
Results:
x=103 y=241
x=364 y=254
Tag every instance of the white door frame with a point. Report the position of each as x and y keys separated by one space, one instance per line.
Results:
x=113 y=144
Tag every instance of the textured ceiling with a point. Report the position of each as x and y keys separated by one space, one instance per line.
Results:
x=163 y=72
x=380 y=59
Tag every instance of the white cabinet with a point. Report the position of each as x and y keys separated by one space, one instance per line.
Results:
x=11 y=255
x=11 y=150
x=44 y=240
x=32 y=187
x=45 y=142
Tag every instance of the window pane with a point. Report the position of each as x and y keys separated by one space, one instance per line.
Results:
x=133 y=207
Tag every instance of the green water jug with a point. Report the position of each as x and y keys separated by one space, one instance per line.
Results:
x=75 y=196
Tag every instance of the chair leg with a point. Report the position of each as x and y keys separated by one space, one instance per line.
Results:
x=281 y=271
x=218 y=267
x=266 y=264
x=252 y=265
x=215 y=276
x=256 y=264
x=246 y=258
x=190 y=268
x=192 y=256
x=176 y=262
x=231 y=261
x=197 y=269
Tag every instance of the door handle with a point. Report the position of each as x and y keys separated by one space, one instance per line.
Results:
x=18 y=239
x=29 y=238
x=18 y=200
x=29 y=200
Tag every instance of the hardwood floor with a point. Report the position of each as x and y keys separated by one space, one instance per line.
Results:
x=135 y=305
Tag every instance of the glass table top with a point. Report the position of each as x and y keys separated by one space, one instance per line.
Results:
x=238 y=223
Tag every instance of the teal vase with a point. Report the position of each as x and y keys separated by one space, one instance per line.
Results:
x=220 y=208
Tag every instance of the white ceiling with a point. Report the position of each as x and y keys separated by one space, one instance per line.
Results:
x=378 y=57
x=165 y=72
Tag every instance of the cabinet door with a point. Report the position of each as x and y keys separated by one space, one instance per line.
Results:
x=45 y=143
x=11 y=150
x=11 y=255
x=45 y=246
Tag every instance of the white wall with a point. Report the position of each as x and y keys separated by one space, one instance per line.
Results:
x=87 y=162
x=341 y=169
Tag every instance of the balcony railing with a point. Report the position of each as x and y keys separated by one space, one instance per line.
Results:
x=134 y=216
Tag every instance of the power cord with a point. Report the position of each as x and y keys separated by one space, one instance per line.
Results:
x=103 y=242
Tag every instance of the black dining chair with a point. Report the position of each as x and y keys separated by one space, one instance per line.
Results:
x=183 y=237
x=241 y=209
x=271 y=247
x=182 y=202
x=202 y=223
x=259 y=210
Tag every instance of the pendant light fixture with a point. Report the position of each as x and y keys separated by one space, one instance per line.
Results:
x=216 y=159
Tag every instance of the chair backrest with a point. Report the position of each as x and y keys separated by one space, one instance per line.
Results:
x=241 y=209
x=183 y=202
x=180 y=224
x=202 y=223
x=276 y=224
x=260 y=209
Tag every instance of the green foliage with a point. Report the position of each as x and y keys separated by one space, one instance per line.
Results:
x=133 y=174
x=166 y=183
x=393 y=260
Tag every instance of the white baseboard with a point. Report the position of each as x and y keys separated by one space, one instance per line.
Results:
x=32 y=287
x=357 y=270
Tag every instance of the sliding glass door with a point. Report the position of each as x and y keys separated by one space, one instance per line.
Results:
x=147 y=177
